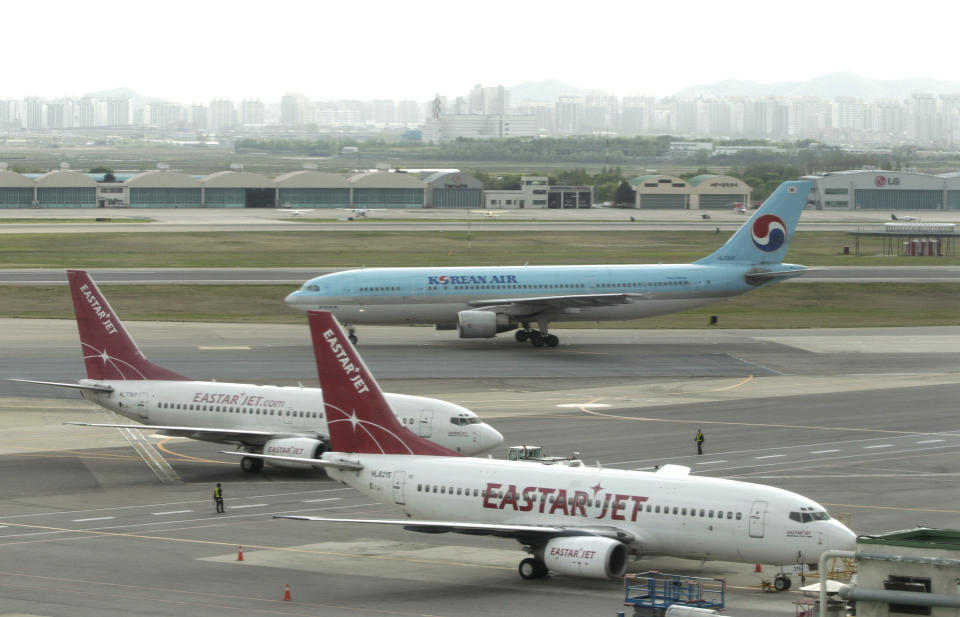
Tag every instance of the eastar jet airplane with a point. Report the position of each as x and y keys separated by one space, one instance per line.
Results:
x=482 y=302
x=271 y=419
x=572 y=519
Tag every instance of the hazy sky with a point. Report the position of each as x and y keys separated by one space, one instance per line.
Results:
x=197 y=50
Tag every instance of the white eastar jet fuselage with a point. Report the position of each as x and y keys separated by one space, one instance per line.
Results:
x=573 y=519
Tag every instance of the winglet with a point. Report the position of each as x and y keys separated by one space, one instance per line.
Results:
x=359 y=418
x=108 y=350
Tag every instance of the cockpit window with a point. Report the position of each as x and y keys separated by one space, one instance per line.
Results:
x=464 y=420
x=807 y=515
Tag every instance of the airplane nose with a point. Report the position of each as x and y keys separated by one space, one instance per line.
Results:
x=491 y=437
x=843 y=538
x=294 y=300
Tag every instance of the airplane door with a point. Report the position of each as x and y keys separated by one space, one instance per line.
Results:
x=426 y=424
x=416 y=286
x=758 y=512
x=399 y=478
x=288 y=416
x=142 y=409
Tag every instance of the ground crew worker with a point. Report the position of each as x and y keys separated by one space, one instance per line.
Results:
x=218 y=498
x=699 y=440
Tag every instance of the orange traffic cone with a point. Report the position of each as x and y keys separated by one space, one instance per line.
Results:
x=239 y=553
x=286 y=592
x=757 y=569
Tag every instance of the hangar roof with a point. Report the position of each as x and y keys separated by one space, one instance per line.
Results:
x=62 y=178
x=11 y=179
x=639 y=180
x=157 y=179
x=716 y=182
x=237 y=180
x=453 y=177
x=385 y=180
x=309 y=179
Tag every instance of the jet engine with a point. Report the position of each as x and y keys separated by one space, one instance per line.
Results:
x=302 y=447
x=482 y=324
x=586 y=556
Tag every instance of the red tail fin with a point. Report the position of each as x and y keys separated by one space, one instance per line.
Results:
x=359 y=419
x=108 y=351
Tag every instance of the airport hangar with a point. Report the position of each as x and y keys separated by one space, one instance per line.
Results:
x=703 y=192
x=877 y=189
x=163 y=188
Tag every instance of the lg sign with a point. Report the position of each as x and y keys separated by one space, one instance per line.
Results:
x=884 y=181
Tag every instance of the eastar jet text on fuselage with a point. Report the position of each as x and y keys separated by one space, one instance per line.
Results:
x=257 y=419
x=481 y=302
x=571 y=518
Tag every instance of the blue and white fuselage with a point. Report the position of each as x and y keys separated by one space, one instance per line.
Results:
x=482 y=301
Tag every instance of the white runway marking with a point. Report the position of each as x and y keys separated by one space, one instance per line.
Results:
x=883 y=445
x=931 y=441
x=171 y=512
x=711 y=462
x=249 y=505
x=327 y=499
x=583 y=405
x=98 y=518
x=770 y=456
x=823 y=451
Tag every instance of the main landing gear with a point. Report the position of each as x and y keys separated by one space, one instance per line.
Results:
x=531 y=568
x=537 y=338
x=352 y=335
x=250 y=464
x=782 y=582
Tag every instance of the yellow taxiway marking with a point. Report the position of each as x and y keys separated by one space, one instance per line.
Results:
x=736 y=385
x=162 y=447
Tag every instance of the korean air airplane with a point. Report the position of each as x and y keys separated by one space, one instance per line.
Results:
x=571 y=518
x=255 y=418
x=481 y=302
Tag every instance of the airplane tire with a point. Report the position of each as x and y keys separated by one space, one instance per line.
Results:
x=536 y=339
x=782 y=583
x=251 y=465
x=551 y=340
x=353 y=338
x=521 y=336
x=531 y=569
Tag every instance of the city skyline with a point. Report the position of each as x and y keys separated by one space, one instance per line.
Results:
x=194 y=52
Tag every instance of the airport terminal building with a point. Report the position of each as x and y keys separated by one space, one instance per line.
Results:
x=877 y=189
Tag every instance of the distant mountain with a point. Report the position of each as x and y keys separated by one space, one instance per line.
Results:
x=138 y=99
x=827 y=86
x=546 y=91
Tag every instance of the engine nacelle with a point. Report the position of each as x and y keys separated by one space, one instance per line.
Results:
x=302 y=447
x=482 y=324
x=586 y=556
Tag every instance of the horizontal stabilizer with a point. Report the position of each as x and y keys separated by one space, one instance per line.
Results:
x=75 y=386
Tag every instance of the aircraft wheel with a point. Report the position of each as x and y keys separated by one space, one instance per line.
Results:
x=353 y=338
x=521 y=336
x=551 y=340
x=251 y=465
x=531 y=569
x=536 y=339
x=782 y=583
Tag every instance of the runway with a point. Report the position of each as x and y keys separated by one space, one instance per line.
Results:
x=296 y=276
x=862 y=421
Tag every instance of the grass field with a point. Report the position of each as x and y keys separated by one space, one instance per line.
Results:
x=791 y=305
x=441 y=248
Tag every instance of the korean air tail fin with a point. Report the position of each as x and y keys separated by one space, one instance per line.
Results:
x=765 y=237
x=109 y=352
x=359 y=419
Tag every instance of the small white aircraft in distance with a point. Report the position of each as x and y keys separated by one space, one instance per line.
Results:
x=572 y=519
x=296 y=211
x=490 y=213
x=255 y=418
x=894 y=217
x=361 y=213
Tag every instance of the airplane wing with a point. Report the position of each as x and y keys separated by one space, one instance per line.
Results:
x=537 y=304
x=760 y=276
x=219 y=435
x=75 y=386
x=316 y=462
x=482 y=529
